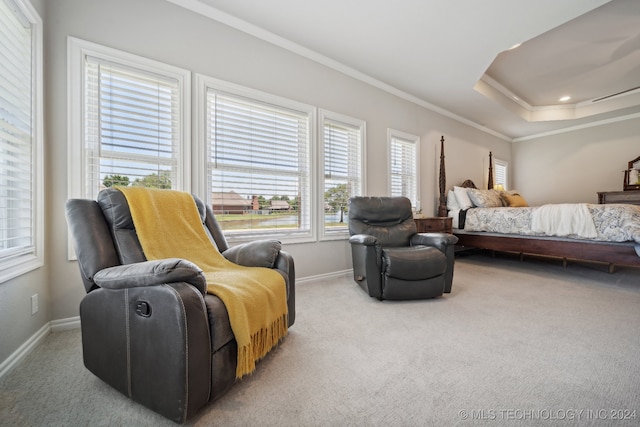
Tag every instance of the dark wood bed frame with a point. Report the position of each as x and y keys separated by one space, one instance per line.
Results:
x=611 y=253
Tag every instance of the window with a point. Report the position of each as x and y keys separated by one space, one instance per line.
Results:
x=342 y=147
x=404 y=153
x=500 y=169
x=258 y=153
x=21 y=220
x=132 y=121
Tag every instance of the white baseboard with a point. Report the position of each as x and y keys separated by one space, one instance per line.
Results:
x=320 y=277
x=65 y=324
x=28 y=346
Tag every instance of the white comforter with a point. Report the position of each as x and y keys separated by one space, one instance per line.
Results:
x=613 y=223
x=564 y=219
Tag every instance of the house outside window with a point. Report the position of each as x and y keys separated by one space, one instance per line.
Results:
x=404 y=174
x=342 y=147
x=21 y=194
x=257 y=150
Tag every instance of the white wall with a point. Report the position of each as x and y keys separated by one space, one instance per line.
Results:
x=165 y=32
x=572 y=167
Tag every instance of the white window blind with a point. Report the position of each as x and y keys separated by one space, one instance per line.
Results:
x=258 y=165
x=132 y=127
x=343 y=143
x=500 y=173
x=18 y=138
x=404 y=167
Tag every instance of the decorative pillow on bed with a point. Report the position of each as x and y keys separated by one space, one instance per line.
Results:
x=485 y=198
x=452 y=202
x=514 y=200
x=462 y=197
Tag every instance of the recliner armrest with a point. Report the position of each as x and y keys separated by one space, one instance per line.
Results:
x=258 y=253
x=438 y=240
x=363 y=239
x=151 y=273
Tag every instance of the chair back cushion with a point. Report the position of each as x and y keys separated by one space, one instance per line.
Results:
x=116 y=211
x=389 y=219
x=92 y=240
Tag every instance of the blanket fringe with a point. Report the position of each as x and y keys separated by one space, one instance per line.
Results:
x=261 y=343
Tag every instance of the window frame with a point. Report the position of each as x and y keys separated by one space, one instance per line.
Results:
x=392 y=135
x=15 y=266
x=78 y=50
x=203 y=84
x=337 y=118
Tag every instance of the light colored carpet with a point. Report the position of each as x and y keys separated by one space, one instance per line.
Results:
x=526 y=343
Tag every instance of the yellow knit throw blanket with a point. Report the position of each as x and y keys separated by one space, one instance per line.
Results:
x=168 y=225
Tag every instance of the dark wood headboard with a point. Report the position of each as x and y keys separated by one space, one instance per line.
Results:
x=490 y=177
x=442 y=206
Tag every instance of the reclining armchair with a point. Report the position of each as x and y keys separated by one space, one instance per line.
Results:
x=149 y=329
x=390 y=259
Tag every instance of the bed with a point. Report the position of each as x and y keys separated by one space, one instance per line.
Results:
x=502 y=221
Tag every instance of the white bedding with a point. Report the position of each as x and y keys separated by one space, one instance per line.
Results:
x=455 y=215
x=565 y=219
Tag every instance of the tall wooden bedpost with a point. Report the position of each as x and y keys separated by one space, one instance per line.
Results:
x=442 y=207
x=490 y=179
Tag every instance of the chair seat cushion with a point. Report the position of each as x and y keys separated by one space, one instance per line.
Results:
x=413 y=263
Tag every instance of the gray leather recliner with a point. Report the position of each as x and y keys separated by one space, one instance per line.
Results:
x=390 y=259
x=149 y=329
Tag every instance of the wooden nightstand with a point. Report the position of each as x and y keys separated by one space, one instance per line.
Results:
x=631 y=197
x=440 y=224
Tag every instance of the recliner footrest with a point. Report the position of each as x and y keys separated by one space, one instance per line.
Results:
x=413 y=263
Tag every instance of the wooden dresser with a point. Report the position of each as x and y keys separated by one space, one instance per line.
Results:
x=631 y=197
x=440 y=224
